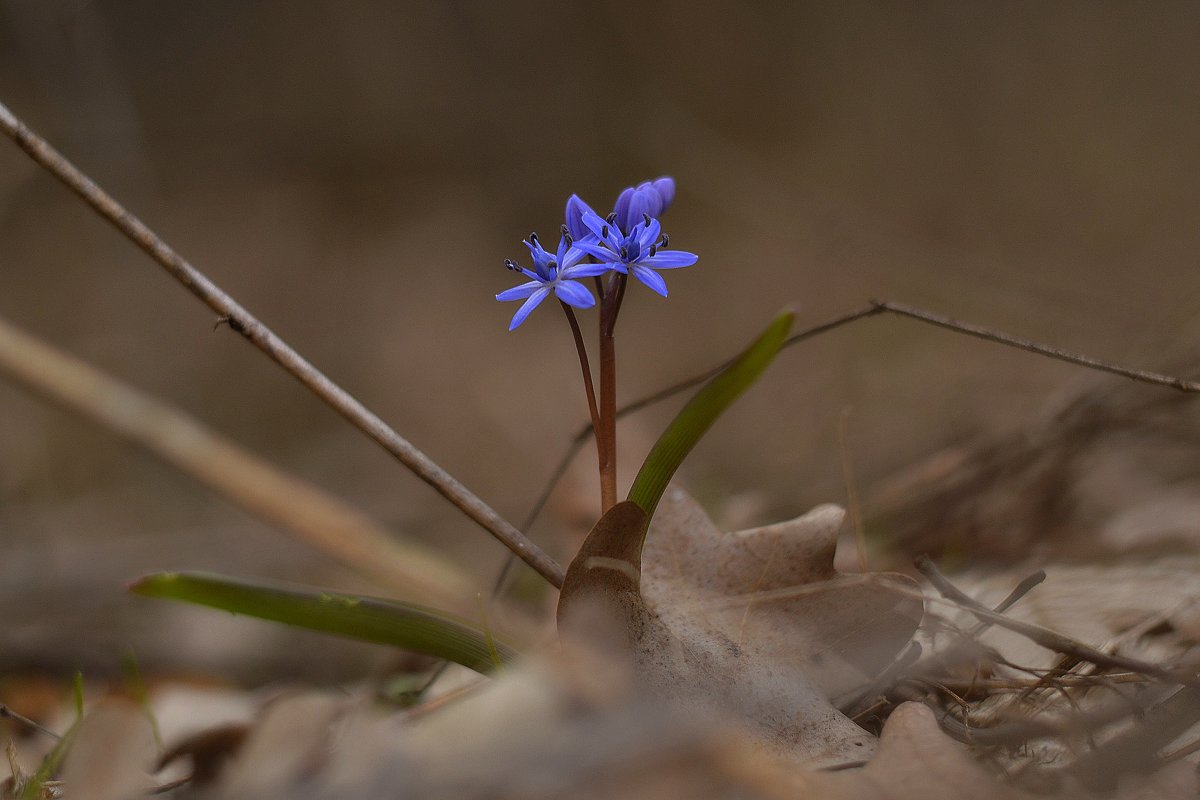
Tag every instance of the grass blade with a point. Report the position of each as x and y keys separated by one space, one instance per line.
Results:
x=412 y=627
x=702 y=411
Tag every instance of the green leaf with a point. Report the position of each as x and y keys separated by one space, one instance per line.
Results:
x=702 y=411
x=404 y=625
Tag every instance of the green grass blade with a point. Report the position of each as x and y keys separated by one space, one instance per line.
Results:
x=404 y=625
x=702 y=411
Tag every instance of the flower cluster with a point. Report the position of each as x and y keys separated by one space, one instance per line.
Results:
x=629 y=241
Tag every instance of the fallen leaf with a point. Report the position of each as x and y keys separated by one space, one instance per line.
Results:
x=289 y=743
x=756 y=622
x=775 y=593
x=916 y=761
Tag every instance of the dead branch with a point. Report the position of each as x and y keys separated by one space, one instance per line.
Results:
x=1046 y=638
x=277 y=349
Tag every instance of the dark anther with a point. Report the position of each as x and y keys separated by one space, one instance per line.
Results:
x=665 y=240
x=568 y=238
x=508 y=262
x=646 y=217
x=604 y=232
x=653 y=250
x=533 y=237
x=611 y=219
x=564 y=229
x=624 y=253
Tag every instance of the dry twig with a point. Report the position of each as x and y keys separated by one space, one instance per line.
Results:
x=1046 y=638
x=277 y=349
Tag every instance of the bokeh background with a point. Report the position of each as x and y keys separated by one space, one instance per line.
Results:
x=355 y=173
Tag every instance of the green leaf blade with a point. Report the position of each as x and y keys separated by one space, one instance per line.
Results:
x=403 y=625
x=694 y=420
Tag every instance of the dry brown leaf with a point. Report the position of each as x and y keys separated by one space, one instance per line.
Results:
x=756 y=622
x=755 y=587
x=765 y=623
x=290 y=742
x=916 y=761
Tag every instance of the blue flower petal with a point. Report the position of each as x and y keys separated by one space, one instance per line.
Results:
x=519 y=292
x=650 y=234
x=650 y=278
x=671 y=259
x=599 y=227
x=640 y=204
x=654 y=204
x=596 y=251
x=584 y=271
x=528 y=306
x=568 y=255
x=543 y=262
x=576 y=208
x=665 y=187
x=574 y=294
x=621 y=208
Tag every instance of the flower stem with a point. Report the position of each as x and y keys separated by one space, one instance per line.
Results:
x=606 y=434
x=581 y=348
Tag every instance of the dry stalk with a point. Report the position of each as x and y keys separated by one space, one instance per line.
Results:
x=300 y=508
x=275 y=348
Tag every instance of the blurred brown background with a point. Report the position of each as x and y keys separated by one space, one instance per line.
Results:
x=355 y=173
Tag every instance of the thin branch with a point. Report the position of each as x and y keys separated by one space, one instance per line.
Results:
x=1023 y=588
x=1046 y=638
x=1031 y=346
x=8 y=713
x=277 y=349
x=299 y=508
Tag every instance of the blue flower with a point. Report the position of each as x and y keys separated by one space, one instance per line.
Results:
x=649 y=197
x=639 y=251
x=558 y=273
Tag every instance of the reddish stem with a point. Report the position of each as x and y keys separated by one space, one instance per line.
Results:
x=581 y=348
x=606 y=435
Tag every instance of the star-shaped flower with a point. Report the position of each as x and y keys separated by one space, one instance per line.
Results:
x=558 y=273
x=638 y=252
